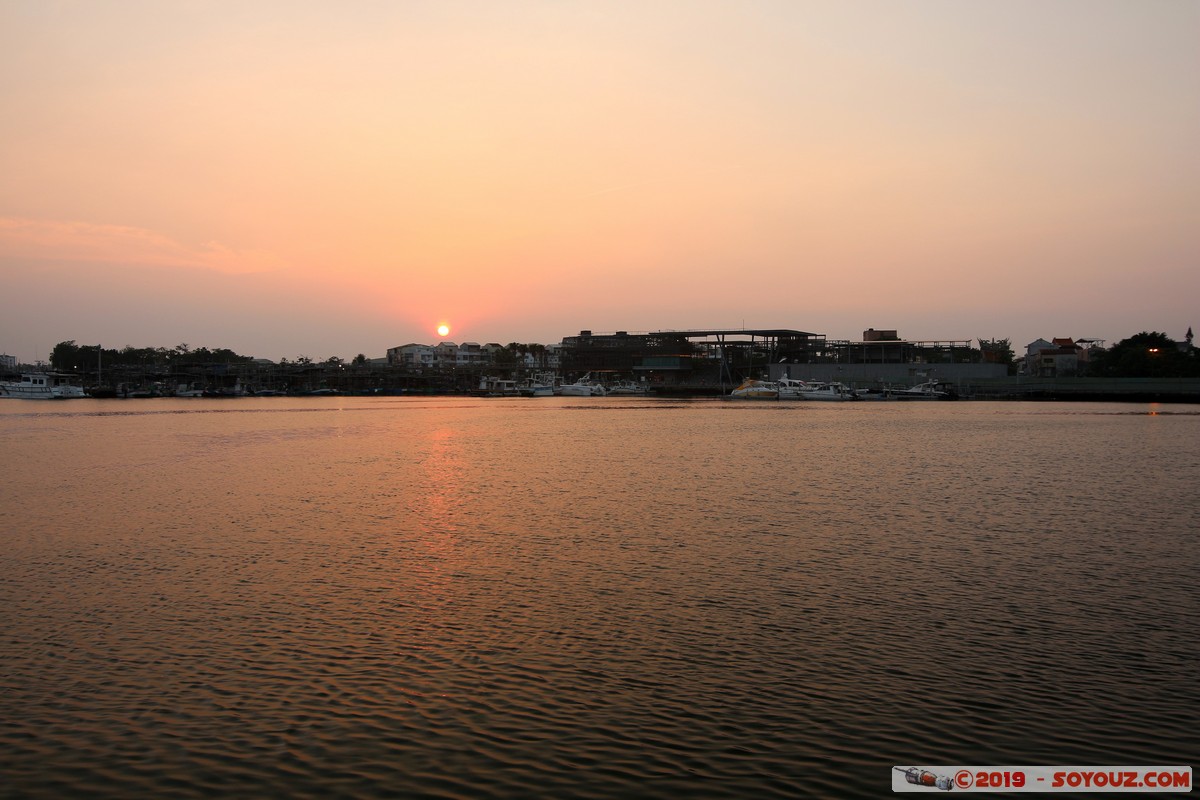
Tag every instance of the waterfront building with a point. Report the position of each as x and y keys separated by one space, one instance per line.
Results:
x=1061 y=357
x=685 y=361
x=446 y=353
x=470 y=354
x=882 y=359
x=412 y=356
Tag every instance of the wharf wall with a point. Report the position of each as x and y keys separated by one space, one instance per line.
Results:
x=1148 y=390
x=879 y=376
x=989 y=382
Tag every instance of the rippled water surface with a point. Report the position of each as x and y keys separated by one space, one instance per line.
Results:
x=580 y=598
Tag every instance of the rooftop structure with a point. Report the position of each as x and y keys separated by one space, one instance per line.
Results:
x=665 y=360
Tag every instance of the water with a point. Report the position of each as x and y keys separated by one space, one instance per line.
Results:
x=578 y=598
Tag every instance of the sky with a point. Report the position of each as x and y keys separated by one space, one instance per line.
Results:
x=323 y=179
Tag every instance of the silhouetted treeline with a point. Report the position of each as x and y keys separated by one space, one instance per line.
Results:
x=1146 y=355
x=69 y=356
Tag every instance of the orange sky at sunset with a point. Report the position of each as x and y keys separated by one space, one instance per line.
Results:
x=321 y=179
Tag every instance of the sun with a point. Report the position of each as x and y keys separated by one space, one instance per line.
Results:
x=443 y=329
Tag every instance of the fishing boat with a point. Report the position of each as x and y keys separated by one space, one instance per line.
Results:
x=829 y=391
x=539 y=386
x=626 y=388
x=498 y=387
x=237 y=390
x=752 y=389
x=42 y=386
x=791 y=388
x=929 y=390
x=584 y=387
x=135 y=391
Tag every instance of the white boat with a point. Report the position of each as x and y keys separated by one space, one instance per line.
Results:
x=194 y=389
x=541 y=385
x=791 y=388
x=828 y=390
x=626 y=388
x=498 y=387
x=137 y=391
x=42 y=386
x=752 y=389
x=584 y=387
x=237 y=390
x=929 y=390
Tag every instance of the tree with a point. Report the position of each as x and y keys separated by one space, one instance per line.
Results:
x=65 y=355
x=507 y=355
x=1144 y=355
x=360 y=360
x=539 y=352
x=998 y=351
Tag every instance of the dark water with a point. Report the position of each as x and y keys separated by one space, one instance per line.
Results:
x=588 y=598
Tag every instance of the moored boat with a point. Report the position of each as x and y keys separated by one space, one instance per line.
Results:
x=539 y=386
x=626 y=388
x=929 y=390
x=752 y=389
x=791 y=388
x=498 y=387
x=828 y=390
x=584 y=387
x=138 y=391
x=42 y=386
x=237 y=390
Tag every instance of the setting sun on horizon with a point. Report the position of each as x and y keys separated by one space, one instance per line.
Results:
x=443 y=330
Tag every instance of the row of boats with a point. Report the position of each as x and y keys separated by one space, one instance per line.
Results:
x=64 y=386
x=782 y=389
x=56 y=386
x=796 y=389
x=545 y=386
